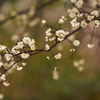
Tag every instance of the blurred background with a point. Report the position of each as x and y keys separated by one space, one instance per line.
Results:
x=35 y=81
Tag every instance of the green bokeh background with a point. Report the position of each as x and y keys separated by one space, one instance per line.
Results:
x=35 y=81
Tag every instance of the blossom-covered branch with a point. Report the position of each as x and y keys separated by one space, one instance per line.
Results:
x=26 y=47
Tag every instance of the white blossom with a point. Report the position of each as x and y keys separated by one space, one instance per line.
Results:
x=2 y=47
x=62 y=20
x=48 y=57
x=46 y=38
x=47 y=47
x=72 y=50
x=55 y=75
x=80 y=69
x=90 y=46
x=15 y=50
x=6 y=83
x=58 y=56
x=48 y=32
x=3 y=77
x=76 y=42
x=26 y=40
x=73 y=1
x=19 y=68
x=32 y=44
x=52 y=39
x=79 y=3
x=1 y=64
x=90 y=17
x=72 y=15
x=8 y=57
x=95 y=13
x=61 y=34
x=24 y=55
x=76 y=63
x=24 y=63
x=97 y=23
x=20 y=45
x=83 y=24
x=44 y=22
x=1 y=96
x=80 y=15
x=74 y=23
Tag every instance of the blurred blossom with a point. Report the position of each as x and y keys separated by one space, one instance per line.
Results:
x=55 y=75
x=1 y=96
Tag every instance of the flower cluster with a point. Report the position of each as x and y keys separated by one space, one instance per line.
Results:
x=79 y=64
x=62 y=20
x=8 y=59
x=61 y=34
x=49 y=35
x=3 y=79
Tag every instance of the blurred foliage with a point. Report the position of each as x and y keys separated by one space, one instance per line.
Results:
x=13 y=1
x=35 y=82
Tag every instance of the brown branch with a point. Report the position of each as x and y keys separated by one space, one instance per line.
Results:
x=40 y=50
